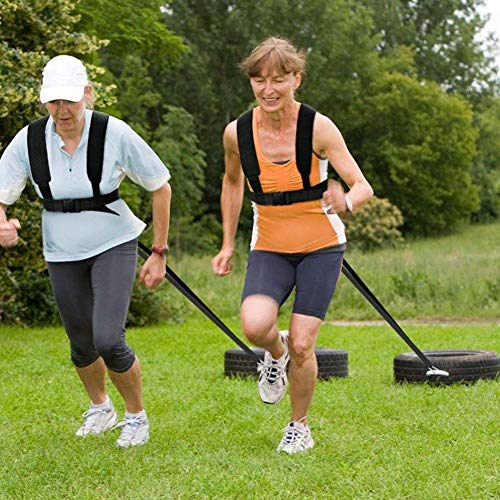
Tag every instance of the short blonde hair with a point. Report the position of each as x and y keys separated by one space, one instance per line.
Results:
x=276 y=52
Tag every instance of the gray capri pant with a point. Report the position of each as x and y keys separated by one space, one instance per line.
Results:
x=314 y=276
x=93 y=297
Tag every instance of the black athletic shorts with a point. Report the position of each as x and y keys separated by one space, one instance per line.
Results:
x=314 y=276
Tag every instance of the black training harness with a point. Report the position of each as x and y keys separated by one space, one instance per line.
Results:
x=303 y=154
x=39 y=164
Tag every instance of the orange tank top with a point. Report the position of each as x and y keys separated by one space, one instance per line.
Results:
x=298 y=228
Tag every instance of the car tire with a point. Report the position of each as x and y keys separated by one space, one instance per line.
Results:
x=331 y=363
x=464 y=366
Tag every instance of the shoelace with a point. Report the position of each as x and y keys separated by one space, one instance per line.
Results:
x=291 y=434
x=90 y=417
x=130 y=426
x=294 y=433
x=271 y=371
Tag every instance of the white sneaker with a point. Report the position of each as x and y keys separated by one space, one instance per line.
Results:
x=272 y=378
x=97 y=421
x=135 y=431
x=296 y=437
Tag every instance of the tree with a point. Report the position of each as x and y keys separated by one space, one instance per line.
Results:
x=486 y=168
x=132 y=27
x=444 y=36
x=177 y=144
x=418 y=147
x=138 y=51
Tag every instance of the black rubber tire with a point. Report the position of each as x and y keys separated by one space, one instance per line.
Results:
x=331 y=363
x=464 y=366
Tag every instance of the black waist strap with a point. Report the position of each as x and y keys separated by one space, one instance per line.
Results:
x=289 y=197
x=96 y=204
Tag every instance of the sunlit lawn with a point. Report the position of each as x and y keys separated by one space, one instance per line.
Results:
x=213 y=438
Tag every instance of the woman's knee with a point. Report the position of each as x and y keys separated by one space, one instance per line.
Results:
x=255 y=327
x=117 y=355
x=301 y=349
x=254 y=331
x=83 y=357
x=258 y=316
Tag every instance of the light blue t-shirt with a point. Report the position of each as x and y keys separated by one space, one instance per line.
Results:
x=77 y=236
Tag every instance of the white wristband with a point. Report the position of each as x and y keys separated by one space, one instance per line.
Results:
x=348 y=203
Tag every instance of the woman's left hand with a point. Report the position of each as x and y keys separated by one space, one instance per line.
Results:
x=153 y=271
x=334 y=197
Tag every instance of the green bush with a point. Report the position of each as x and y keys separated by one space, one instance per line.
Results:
x=145 y=307
x=26 y=298
x=375 y=226
x=25 y=295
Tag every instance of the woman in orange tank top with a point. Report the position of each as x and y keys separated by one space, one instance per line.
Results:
x=295 y=245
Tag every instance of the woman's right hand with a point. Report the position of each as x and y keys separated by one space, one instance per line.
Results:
x=220 y=263
x=8 y=232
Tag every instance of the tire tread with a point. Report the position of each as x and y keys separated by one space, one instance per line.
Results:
x=331 y=363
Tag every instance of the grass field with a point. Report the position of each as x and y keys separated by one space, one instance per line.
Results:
x=213 y=438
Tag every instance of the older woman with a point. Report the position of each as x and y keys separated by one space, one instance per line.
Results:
x=283 y=148
x=76 y=159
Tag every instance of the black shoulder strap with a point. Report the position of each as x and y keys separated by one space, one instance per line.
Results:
x=38 y=158
x=95 y=149
x=303 y=146
x=303 y=142
x=37 y=153
x=246 y=146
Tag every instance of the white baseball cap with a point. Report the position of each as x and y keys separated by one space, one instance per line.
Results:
x=64 y=77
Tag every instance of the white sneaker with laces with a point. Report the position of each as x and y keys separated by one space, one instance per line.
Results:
x=272 y=374
x=97 y=421
x=135 y=431
x=296 y=438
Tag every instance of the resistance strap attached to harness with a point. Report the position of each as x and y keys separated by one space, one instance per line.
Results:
x=39 y=164
x=303 y=154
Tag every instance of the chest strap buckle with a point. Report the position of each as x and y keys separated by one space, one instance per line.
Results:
x=70 y=206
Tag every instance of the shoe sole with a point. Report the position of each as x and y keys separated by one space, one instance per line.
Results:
x=282 y=450
x=132 y=445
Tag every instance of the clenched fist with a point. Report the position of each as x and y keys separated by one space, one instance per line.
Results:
x=8 y=232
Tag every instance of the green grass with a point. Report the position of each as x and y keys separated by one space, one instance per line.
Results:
x=454 y=276
x=213 y=438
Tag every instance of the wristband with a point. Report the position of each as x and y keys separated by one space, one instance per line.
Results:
x=348 y=203
x=160 y=250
